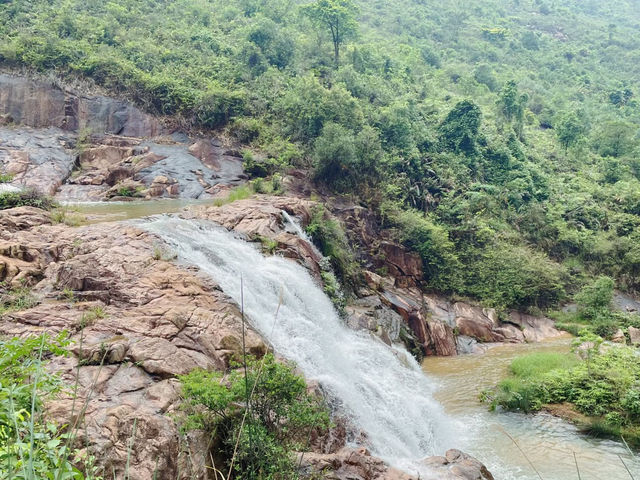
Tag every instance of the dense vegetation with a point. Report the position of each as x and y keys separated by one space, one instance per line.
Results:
x=603 y=385
x=499 y=139
x=256 y=420
x=32 y=447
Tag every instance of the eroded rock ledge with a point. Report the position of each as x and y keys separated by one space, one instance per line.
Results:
x=147 y=318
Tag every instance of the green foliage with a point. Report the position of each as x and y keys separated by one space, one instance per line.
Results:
x=542 y=161
x=328 y=235
x=336 y=15
x=240 y=192
x=431 y=241
x=569 y=130
x=459 y=130
x=26 y=198
x=595 y=299
x=30 y=446
x=604 y=384
x=16 y=299
x=280 y=417
x=5 y=178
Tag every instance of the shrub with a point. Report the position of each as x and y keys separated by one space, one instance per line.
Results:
x=328 y=235
x=30 y=198
x=280 y=417
x=31 y=447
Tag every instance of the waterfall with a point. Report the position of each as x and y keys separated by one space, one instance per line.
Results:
x=380 y=389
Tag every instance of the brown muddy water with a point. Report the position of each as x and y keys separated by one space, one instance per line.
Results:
x=548 y=443
x=99 y=212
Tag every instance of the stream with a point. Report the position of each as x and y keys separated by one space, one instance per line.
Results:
x=406 y=411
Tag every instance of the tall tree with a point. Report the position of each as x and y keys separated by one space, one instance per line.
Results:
x=511 y=105
x=569 y=130
x=339 y=16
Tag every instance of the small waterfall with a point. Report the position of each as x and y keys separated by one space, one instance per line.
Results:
x=382 y=390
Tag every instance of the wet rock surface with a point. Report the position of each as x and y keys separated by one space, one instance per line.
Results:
x=358 y=464
x=91 y=148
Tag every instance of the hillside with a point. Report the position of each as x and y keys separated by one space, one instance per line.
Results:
x=499 y=139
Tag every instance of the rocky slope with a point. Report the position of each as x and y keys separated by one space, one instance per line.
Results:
x=136 y=321
x=80 y=147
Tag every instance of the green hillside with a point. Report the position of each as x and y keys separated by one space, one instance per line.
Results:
x=499 y=138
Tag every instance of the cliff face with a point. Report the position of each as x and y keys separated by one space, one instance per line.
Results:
x=81 y=148
x=41 y=104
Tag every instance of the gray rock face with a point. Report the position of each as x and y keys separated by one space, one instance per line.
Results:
x=194 y=175
x=39 y=159
x=42 y=104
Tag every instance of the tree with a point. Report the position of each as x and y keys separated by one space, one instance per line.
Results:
x=459 y=131
x=616 y=139
x=569 y=129
x=511 y=105
x=338 y=16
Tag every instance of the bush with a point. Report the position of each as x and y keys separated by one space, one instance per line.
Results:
x=26 y=198
x=328 y=235
x=594 y=300
x=603 y=385
x=278 y=422
x=31 y=447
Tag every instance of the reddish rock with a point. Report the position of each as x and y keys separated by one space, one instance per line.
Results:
x=157 y=320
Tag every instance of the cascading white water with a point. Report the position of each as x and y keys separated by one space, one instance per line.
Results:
x=381 y=389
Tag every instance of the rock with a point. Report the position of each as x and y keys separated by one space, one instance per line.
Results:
x=348 y=464
x=634 y=335
x=405 y=265
x=358 y=464
x=467 y=345
x=37 y=159
x=41 y=104
x=157 y=320
x=443 y=341
x=533 y=328
x=21 y=218
x=261 y=216
x=618 y=337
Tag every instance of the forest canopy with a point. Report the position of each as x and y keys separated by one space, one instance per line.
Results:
x=505 y=134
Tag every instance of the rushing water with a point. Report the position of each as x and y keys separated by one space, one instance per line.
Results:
x=382 y=390
x=548 y=442
x=405 y=413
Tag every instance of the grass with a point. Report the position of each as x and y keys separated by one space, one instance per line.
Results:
x=16 y=299
x=66 y=216
x=240 y=192
x=5 y=178
x=538 y=363
x=26 y=198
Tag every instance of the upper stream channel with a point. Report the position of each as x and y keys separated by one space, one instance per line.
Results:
x=408 y=411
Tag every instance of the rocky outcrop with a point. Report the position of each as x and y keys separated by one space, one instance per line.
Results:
x=54 y=139
x=261 y=217
x=53 y=162
x=358 y=464
x=38 y=159
x=438 y=326
x=136 y=322
x=41 y=104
